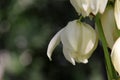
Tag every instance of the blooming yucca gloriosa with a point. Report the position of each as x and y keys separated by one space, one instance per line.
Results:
x=80 y=40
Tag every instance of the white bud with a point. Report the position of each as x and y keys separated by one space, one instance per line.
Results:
x=109 y=26
x=117 y=13
x=115 y=55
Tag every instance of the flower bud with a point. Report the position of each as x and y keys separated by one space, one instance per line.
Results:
x=115 y=55
x=109 y=26
x=117 y=13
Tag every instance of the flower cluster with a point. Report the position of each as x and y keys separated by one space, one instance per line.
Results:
x=111 y=32
x=79 y=39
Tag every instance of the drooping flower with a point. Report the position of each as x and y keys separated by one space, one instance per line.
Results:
x=117 y=13
x=115 y=55
x=85 y=7
x=109 y=26
x=79 y=41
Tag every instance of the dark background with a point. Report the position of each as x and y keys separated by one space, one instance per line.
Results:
x=26 y=27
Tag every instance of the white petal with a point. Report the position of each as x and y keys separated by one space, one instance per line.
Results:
x=115 y=55
x=67 y=55
x=89 y=41
x=86 y=8
x=109 y=25
x=80 y=40
x=85 y=4
x=81 y=6
x=117 y=13
x=102 y=5
x=84 y=61
x=94 y=5
x=77 y=5
x=71 y=35
x=53 y=43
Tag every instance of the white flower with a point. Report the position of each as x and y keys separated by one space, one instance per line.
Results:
x=85 y=7
x=115 y=55
x=117 y=13
x=109 y=26
x=79 y=41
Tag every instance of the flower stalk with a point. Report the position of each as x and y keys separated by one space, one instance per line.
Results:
x=109 y=67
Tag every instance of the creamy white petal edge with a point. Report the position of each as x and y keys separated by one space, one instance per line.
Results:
x=117 y=13
x=109 y=25
x=53 y=43
x=85 y=7
x=68 y=56
x=102 y=5
x=115 y=55
x=94 y=5
x=81 y=6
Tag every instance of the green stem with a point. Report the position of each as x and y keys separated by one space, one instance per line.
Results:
x=109 y=66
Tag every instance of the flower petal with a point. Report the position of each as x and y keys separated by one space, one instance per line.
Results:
x=76 y=5
x=94 y=5
x=117 y=13
x=53 y=43
x=81 y=6
x=89 y=41
x=109 y=25
x=67 y=55
x=79 y=40
x=85 y=4
x=71 y=35
x=102 y=5
x=115 y=55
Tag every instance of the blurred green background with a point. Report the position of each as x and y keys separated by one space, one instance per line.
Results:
x=26 y=27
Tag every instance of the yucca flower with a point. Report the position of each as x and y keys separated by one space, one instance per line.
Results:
x=117 y=13
x=79 y=41
x=115 y=55
x=85 y=7
x=109 y=26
